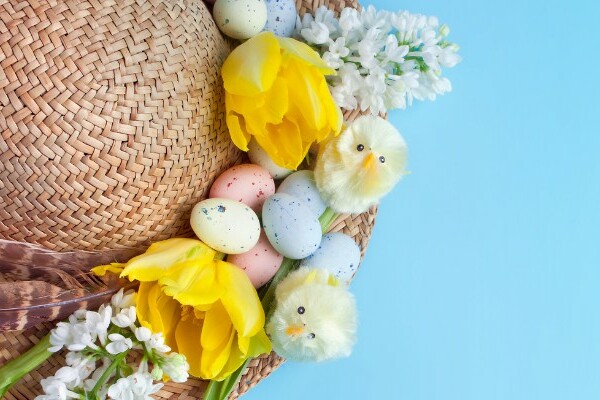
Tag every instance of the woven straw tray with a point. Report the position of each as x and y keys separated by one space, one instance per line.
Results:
x=85 y=161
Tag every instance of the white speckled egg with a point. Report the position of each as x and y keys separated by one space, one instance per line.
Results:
x=258 y=156
x=261 y=263
x=291 y=226
x=338 y=253
x=225 y=225
x=240 y=19
x=281 y=17
x=250 y=184
x=301 y=185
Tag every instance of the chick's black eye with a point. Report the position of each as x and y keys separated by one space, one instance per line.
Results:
x=301 y=310
x=381 y=159
x=360 y=147
x=311 y=336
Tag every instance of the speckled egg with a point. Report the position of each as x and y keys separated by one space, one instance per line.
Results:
x=240 y=19
x=225 y=225
x=260 y=263
x=338 y=253
x=250 y=184
x=258 y=156
x=301 y=185
x=291 y=226
x=281 y=17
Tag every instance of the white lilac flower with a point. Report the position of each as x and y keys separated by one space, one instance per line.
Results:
x=176 y=367
x=97 y=322
x=118 y=343
x=384 y=60
x=121 y=389
x=123 y=300
x=142 y=334
x=55 y=389
x=157 y=342
x=82 y=338
x=137 y=386
x=125 y=318
x=60 y=336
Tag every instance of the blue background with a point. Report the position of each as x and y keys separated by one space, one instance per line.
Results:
x=482 y=278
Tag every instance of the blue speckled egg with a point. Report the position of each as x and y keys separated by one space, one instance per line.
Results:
x=225 y=225
x=301 y=185
x=338 y=253
x=281 y=17
x=290 y=226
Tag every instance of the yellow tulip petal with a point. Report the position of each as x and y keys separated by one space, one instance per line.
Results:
x=162 y=256
x=187 y=336
x=157 y=311
x=213 y=361
x=240 y=299
x=272 y=112
x=284 y=144
x=307 y=97
x=115 y=268
x=236 y=359
x=217 y=327
x=252 y=67
x=192 y=283
x=297 y=50
x=239 y=136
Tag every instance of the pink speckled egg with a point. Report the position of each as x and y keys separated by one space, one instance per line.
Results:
x=260 y=263
x=247 y=183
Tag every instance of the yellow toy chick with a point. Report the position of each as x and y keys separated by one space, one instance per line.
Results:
x=358 y=167
x=314 y=319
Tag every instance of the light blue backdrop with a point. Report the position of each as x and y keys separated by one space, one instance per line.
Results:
x=482 y=280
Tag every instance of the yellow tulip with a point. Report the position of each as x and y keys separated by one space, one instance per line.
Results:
x=276 y=92
x=206 y=308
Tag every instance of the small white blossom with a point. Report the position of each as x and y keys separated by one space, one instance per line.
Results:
x=118 y=344
x=82 y=338
x=138 y=386
x=97 y=322
x=157 y=342
x=60 y=336
x=142 y=334
x=125 y=318
x=123 y=300
x=176 y=367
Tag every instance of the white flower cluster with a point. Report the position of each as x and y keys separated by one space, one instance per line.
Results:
x=384 y=60
x=96 y=364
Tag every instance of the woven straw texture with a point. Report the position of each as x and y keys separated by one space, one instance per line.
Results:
x=111 y=119
x=148 y=179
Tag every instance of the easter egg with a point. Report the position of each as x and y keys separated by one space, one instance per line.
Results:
x=247 y=183
x=260 y=263
x=240 y=19
x=281 y=17
x=225 y=225
x=258 y=156
x=291 y=226
x=301 y=185
x=338 y=254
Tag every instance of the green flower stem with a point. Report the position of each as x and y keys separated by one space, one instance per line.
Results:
x=22 y=365
x=221 y=390
x=106 y=374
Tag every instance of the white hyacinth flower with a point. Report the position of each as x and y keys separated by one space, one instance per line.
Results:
x=125 y=318
x=118 y=343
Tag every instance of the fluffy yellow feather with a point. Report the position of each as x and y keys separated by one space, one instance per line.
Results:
x=358 y=167
x=314 y=319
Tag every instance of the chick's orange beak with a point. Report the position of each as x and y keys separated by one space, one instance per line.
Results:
x=294 y=330
x=368 y=163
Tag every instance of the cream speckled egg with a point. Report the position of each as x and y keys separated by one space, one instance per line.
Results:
x=281 y=17
x=258 y=156
x=247 y=183
x=260 y=264
x=225 y=225
x=240 y=19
